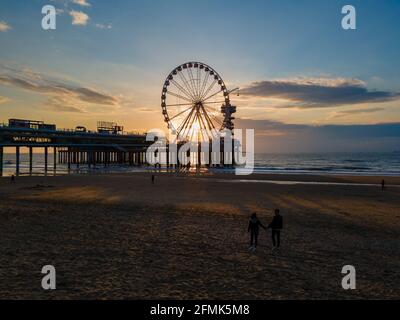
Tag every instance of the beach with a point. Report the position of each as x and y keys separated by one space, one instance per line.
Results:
x=118 y=236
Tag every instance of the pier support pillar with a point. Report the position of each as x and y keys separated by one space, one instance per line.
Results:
x=30 y=160
x=55 y=159
x=46 y=156
x=1 y=161
x=78 y=158
x=17 y=161
x=69 y=158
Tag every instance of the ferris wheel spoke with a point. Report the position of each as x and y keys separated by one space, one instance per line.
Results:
x=204 y=128
x=208 y=117
x=213 y=112
x=187 y=83
x=198 y=81
x=188 y=94
x=214 y=117
x=191 y=135
x=191 y=84
x=204 y=131
x=211 y=108
x=179 y=96
x=201 y=121
x=209 y=89
x=191 y=124
x=215 y=102
x=213 y=95
x=188 y=127
x=208 y=120
x=192 y=80
x=193 y=119
x=185 y=122
x=203 y=86
x=180 y=113
x=195 y=130
x=179 y=105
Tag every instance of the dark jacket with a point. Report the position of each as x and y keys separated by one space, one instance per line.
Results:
x=254 y=225
x=277 y=223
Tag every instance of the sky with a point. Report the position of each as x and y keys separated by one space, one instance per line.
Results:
x=306 y=84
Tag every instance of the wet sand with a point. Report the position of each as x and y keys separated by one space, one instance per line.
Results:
x=117 y=236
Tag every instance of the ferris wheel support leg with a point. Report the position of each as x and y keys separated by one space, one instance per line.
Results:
x=1 y=161
x=233 y=151
x=222 y=155
x=167 y=156
x=209 y=160
x=198 y=154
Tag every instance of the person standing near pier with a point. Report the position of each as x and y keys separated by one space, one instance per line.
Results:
x=276 y=226
x=254 y=228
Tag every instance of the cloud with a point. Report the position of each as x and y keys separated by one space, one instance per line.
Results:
x=103 y=26
x=280 y=137
x=49 y=87
x=92 y=96
x=3 y=99
x=145 y=109
x=83 y=3
x=270 y=126
x=63 y=95
x=344 y=113
x=79 y=18
x=4 y=26
x=317 y=92
x=344 y=131
x=61 y=104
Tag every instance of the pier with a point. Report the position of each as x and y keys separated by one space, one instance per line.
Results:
x=108 y=145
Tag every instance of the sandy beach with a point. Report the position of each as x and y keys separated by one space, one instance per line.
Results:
x=118 y=236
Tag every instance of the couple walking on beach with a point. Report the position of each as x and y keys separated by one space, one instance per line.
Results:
x=276 y=226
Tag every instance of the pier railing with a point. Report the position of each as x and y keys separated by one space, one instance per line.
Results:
x=74 y=131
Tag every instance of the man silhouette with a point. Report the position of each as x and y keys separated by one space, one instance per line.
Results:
x=254 y=227
x=276 y=226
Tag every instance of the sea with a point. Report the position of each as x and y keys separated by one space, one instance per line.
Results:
x=374 y=164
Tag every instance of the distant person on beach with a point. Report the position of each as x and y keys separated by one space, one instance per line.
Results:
x=276 y=226
x=12 y=179
x=152 y=179
x=383 y=185
x=254 y=228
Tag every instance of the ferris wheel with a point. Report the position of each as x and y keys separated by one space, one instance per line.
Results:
x=195 y=102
